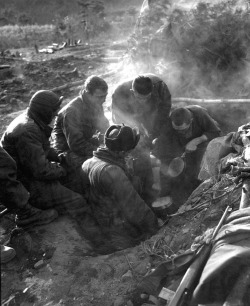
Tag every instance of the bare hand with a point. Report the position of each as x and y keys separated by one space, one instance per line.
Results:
x=191 y=146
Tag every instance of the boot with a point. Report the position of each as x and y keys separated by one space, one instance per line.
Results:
x=32 y=216
x=7 y=254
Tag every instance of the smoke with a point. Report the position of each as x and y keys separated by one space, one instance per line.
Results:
x=183 y=56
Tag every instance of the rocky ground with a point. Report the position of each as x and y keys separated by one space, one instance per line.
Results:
x=55 y=264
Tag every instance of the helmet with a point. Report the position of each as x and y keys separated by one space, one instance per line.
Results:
x=43 y=104
x=120 y=137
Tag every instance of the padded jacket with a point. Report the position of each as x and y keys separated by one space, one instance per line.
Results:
x=28 y=144
x=115 y=202
x=76 y=127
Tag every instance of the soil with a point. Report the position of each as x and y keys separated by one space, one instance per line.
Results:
x=55 y=264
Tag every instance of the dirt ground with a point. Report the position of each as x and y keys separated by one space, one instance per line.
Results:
x=55 y=264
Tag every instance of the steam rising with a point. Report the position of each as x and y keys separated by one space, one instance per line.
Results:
x=182 y=73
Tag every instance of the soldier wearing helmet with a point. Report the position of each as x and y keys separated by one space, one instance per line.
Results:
x=26 y=140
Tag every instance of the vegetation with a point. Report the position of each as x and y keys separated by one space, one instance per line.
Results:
x=216 y=35
x=15 y=36
x=207 y=46
x=79 y=19
x=46 y=11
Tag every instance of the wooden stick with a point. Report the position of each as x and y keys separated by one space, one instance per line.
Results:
x=68 y=85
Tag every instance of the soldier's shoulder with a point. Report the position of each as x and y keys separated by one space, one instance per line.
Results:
x=71 y=106
x=124 y=86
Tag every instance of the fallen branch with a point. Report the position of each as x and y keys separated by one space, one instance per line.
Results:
x=68 y=85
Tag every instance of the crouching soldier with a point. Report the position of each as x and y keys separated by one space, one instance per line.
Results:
x=38 y=166
x=188 y=135
x=122 y=215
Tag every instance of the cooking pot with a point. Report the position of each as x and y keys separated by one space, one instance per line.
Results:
x=161 y=205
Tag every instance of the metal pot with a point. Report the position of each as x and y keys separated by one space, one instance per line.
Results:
x=161 y=205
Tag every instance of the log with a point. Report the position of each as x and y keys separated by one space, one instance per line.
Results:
x=192 y=100
x=68 y=85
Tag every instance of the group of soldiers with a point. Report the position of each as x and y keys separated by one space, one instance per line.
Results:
x=100 y=174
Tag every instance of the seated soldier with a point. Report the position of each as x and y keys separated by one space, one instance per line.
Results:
x=78 y=127
x=15 y=198
x=38 y=166
x=123 y=217
x=191 y=130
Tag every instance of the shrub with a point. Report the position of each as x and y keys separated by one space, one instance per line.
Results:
x=216 y=35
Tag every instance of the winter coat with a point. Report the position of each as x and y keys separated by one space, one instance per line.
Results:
x=13 y=195
x=151 y=116
x=76 y=127
x=27 y=142
x=115 y=203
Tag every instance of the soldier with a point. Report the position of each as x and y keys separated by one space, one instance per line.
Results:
x=191 y=130
x=79 y=128
x=26 y=140
x=124 y=218
x=145 y=102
